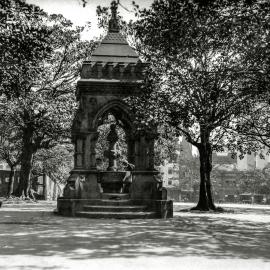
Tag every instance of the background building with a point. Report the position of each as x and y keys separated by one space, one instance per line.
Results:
x=232 y=178
x=44 y=188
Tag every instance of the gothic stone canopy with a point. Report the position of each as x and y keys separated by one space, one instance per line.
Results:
x=114 y=67
x=113 y=72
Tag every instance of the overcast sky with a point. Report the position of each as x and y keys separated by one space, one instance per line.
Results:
x=79 y=15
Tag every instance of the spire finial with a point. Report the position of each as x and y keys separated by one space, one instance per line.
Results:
x=113 y=22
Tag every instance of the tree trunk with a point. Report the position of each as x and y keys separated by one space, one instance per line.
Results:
x=26 y=163
x=206 y=201
x=54 y=197
x=11 y=181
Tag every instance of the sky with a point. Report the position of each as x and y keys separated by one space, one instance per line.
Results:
x=79 y=15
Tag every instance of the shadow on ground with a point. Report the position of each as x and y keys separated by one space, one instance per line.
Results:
x=23 y=233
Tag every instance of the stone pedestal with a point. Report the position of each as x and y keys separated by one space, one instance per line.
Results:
x=144 y=186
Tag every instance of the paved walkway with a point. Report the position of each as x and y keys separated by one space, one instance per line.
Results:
x=31 y=237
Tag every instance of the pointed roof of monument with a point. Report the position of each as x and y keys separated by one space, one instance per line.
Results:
x=114 y=47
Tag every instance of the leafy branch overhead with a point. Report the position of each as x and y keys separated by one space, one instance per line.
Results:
x=208 y=71
x=208 y=64
x=41 y=57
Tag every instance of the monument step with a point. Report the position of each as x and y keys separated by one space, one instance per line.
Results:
x=120 y=215
x=114 y=202
x=115 y=196
x=115 y=208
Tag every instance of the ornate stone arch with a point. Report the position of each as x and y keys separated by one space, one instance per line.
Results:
x=119 y=109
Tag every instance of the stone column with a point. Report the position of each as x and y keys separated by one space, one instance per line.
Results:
x=137 y=155
x=150 y=138
x=92 y=155
x=143 y=152
x=140 y=151
x=79 y=152
x=151 y=154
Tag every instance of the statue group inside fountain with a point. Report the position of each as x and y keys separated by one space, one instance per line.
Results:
x=115 y=172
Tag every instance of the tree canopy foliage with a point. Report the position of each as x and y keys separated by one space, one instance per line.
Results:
x=207 y=70
x=256 y=127
x=55 y=162
x=41 y=56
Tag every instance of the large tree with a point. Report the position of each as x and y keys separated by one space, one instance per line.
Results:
x=40 y=57
x=201 y=79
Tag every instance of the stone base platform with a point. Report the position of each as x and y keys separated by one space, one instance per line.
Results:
x=115 y=205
